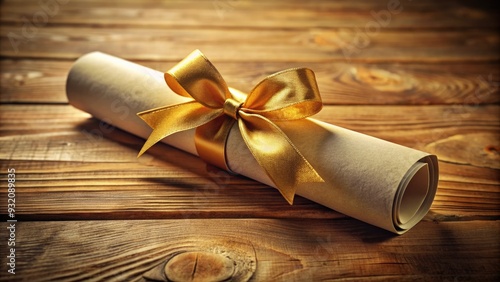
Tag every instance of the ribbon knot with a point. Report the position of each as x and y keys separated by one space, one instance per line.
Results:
x=284 y=96
x=231 y=107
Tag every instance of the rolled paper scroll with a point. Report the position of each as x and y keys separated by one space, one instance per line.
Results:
x=375 y=181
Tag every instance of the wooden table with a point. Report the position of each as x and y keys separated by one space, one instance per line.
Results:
x=424 y=74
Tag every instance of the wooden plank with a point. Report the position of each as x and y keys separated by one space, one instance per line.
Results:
x=263 y=14
x=85 y=191
x=251 y=45
x=163 y=188
x=280 y=250
x=74 y=161
x=43 y=81
x=33 y=81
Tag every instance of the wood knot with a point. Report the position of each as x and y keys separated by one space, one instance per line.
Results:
x=383 y=80
x=209 y=261
x=491 y=149
x=477 y=149
x=199 y=266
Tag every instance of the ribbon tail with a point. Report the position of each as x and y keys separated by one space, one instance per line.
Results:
x=274 y=152
x=210 y=141
x=171 y=119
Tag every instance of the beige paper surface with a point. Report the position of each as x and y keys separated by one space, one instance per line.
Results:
x=378 y=182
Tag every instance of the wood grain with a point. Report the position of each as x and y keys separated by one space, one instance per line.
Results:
x=260 y=14
x=313 y=45
x=42 y=81
x=286 y=250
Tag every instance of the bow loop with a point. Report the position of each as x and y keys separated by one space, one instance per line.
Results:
x=284 y=96
x=196 y=77
x=287 y=95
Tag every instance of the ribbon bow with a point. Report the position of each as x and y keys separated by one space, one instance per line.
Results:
x=287 y=95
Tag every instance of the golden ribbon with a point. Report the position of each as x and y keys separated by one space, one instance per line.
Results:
x=287 y=95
